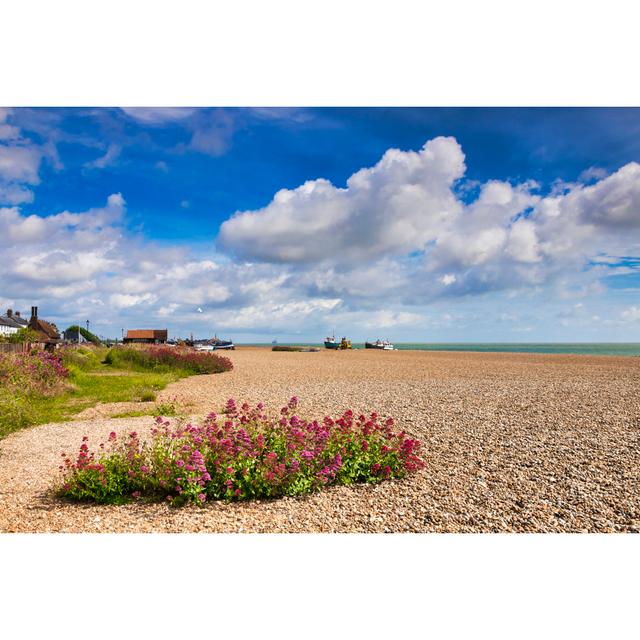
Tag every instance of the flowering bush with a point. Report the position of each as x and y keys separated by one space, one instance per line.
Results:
x=242 y=454
x=25 y=377
x=38 y=372
x=165 y=358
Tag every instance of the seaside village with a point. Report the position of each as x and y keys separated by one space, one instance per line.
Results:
x=17 y=333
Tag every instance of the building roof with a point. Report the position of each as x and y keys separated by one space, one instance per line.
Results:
x=46 y=330
x=147 y=334
x=15 y=317
x=10 y=321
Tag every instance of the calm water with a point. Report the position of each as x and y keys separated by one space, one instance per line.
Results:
x=588 y=348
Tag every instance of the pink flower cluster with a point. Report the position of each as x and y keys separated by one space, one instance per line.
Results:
x=244 y=453
x=34 y=372
x=203 y=362
x=174 y=357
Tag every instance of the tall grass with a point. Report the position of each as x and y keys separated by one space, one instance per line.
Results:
x=39 y=387
x=167 y=359
x=24 y=379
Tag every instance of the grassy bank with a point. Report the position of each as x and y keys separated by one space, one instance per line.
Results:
x=95 y=375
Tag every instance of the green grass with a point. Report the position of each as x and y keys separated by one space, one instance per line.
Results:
x=92 y=382
x=165 y=410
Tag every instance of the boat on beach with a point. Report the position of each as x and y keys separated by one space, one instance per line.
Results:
x=379 y=344
x=214 y=344
x=330 y=342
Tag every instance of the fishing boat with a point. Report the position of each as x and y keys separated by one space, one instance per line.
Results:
x=345 y=343
x=330 y=342
x=217 y=343
x=214 y=344
x=379 y=344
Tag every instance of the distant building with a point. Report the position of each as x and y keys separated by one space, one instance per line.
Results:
x=11 y=323
x=46 y=332
x=7 y=327
x=146 y=336
x=74 y=335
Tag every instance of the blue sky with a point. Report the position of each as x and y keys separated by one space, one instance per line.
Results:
x=424 y=224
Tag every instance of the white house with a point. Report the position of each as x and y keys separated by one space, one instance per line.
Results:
x=7 y=328
x=11 y=322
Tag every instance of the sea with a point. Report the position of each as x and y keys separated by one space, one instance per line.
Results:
x=584 y=348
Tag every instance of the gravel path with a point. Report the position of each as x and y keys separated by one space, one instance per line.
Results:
x=513 y=442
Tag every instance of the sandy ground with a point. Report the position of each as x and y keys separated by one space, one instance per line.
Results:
x=512 y=442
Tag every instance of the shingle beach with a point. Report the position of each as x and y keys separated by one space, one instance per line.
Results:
x=512 y=442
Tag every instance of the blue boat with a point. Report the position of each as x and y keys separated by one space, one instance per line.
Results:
x=331 y=343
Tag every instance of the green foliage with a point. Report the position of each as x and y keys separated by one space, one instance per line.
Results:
x=166 y=409
x=26 y=334
x=89 y=382
x=15 y=412
x=106 y=483
x=243 y=454
x=87 y=335
x=165 y=359
x=84 y=358
x=144 y=394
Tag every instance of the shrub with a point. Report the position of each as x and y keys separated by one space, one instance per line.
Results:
x=85 y=333
x=145 y=394
x=241 y=455
x=168 y=358
x=84 y=358
x=25 y=334
x=37 y=372
x=166 y=409
x=23 y=377
x=15 y=411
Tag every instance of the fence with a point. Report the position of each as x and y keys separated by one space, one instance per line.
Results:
x=9 y=347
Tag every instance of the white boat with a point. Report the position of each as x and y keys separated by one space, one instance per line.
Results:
x=379 y=344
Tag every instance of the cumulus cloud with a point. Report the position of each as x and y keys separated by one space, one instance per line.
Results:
x=403 y=223
x=15 y=194
x=632 y=314
x=125 y=300
x=20 y=163
x=7 y=131
x=397 y=237
x=393 y=208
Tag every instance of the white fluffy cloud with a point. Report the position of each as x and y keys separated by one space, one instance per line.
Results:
x=632 y=314
x=20 y=163
x=7 y=131
x=399 y=236
x=393 y=208
x=367 y=236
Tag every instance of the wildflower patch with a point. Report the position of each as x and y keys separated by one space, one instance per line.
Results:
x=241 y=454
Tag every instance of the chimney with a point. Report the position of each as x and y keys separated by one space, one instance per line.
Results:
x=10 y=313
x=17 y=313
x=33 y=322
